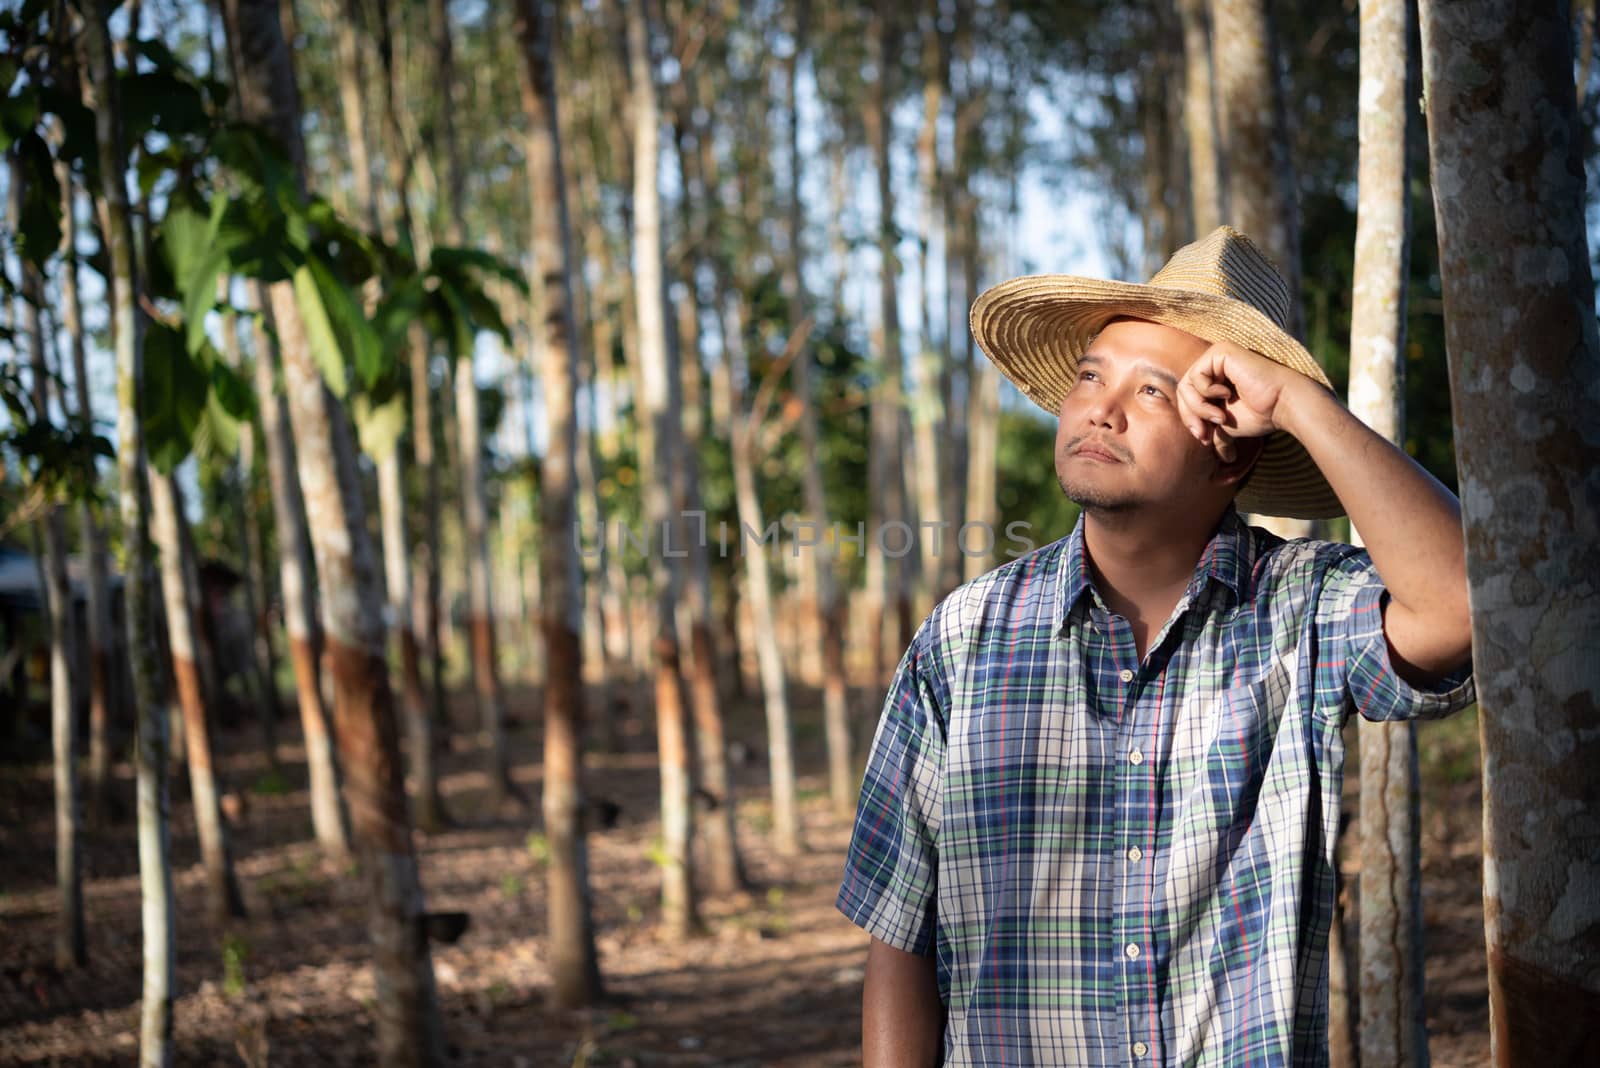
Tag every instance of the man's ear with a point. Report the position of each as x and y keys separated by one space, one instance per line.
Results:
x=1246 y=451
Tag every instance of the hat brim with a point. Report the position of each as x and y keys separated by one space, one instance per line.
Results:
x=1034 y=329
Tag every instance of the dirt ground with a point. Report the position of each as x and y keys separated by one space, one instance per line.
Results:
x=776 y=979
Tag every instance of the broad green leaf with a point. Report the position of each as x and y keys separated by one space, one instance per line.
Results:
x=231 y=391
x=216 y=435
x=320 y=336
x=39 y=228
x=18 y=114
x=173 y=398
x=458 y=324
x=379 y=425
x=197 y=261
x=355 y=334
x=457 y=262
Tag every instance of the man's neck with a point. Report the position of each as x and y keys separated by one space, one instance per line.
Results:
x=1142 y=563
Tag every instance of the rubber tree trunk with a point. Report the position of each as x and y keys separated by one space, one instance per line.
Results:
x=1519 y=311
x=828 y=626
x=263 y=660
x=574 y=966
x=223 y=899
x=150 y=751
x=758 y=580
x=100 y=627
x=427 y=809
x=70 y=948
x=660 y=475
x=1253 y=142
x=886 y=503
x=1206 y=182
x=410 y=1029
x=719 y=830
x=1393 y=1024
x=329 y=820
x=474 y=492
x=928 y=414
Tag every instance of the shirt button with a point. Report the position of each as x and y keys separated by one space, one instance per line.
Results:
x=1132 y=951
x=1140 y=1049
x=1127 y=676
x=1136 y=854
x=1136 y=757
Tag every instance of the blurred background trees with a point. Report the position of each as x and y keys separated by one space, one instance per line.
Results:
x=415 y=322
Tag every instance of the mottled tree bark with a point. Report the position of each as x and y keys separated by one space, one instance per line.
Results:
x=660 y=475
x=150 y=757
x=1508 y=185
x=1206 y=184
x=263 y=661
x=410 y=1028
x=329 y=820
x=469 y=424
x=574 y=966
x=1393 y=1028
x=719 y=830
x=100 y=627
x=69 y=948
x=886 y=501
x=1253 y=142
x=223 y=899
x=827 y=624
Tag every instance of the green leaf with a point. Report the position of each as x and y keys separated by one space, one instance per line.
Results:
x=357 y=339
x=39 y=228
x=19 y=112
x=230 y=389
x=216 y=435
x=458 y=326
x=197 y=261
x=379 y=425
x=174 y=396
x=457 y=261
x=320 y=336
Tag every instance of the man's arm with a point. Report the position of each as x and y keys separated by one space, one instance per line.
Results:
x=1410 y=523
x=902 y=1019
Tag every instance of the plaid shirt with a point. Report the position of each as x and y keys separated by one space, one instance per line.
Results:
x=1126 y=862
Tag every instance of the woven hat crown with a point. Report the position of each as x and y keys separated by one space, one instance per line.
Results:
x=1226 y=263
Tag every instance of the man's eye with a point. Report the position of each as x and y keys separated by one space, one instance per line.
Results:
x=1153 y=391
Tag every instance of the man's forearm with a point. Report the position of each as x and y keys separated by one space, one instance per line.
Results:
x=1409 y=522
x=902 y=1019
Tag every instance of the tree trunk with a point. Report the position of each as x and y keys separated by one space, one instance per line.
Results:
x=660 y=474
x=1508 y=186
x=1253 y=139
x=100 y=628
x=329 y=819
x=263 y=661
x=150 y=756
x=574 y=966
x=886 y=504
x=410 y=1028
x=474 y=493
x=1206 y=182
x=827 y=624
x=183 y=637
x=58 y=603
x=1393 y=1023
x=427 y=810
x=719 y=831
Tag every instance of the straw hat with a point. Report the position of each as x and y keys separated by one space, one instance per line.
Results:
x=1221 y=288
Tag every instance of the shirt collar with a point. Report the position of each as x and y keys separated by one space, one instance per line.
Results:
x=1228 y=559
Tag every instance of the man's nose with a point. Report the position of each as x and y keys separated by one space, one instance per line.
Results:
x=1106 y=412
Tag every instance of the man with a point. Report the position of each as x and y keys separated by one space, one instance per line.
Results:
x=1099 y=816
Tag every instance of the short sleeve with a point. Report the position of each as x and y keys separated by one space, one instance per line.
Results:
x=892 y=868
x=1349 y=622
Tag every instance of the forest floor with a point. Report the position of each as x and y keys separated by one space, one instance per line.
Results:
x=776 y=979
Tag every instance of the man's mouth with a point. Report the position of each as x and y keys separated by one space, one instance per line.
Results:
x=1095 y=451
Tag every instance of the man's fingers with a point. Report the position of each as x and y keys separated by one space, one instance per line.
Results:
x=1223 y=442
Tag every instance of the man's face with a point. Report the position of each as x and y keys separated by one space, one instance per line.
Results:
x=1121 y=444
